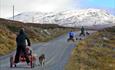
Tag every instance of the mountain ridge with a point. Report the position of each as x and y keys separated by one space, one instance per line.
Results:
x=72 y=18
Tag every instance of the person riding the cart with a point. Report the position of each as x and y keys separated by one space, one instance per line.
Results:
x=71 y=36
x=82 y=31
x=21 y=45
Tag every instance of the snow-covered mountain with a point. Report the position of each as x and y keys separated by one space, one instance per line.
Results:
x=75 y=18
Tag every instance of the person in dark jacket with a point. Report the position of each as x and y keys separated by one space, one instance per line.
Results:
x=82 y=31
x=21 y=45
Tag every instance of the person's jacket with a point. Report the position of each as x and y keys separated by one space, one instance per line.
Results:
x=82 y=29
x=71 y=33
x=21 y=39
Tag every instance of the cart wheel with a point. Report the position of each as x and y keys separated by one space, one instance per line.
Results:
x=76 y=38
x=68 y=40
x=31 y=62
x=15 y=65
x=11 y=61
x=73 y=40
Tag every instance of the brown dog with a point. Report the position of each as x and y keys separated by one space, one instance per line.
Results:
x=42 y=60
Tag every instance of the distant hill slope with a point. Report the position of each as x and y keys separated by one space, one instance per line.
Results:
x=36 y=32
x=95 y=18
x=97 y=52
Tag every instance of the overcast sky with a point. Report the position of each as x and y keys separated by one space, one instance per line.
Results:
x=51 y=5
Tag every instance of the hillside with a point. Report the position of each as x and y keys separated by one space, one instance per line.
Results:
x=36 y=33
x=95 y=18
x=97 y=52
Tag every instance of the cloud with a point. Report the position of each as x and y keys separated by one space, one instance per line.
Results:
x=33 y=5
x=49 y=5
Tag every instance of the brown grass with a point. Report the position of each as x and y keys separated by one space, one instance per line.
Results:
x=94 y=53
x=36 y=33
